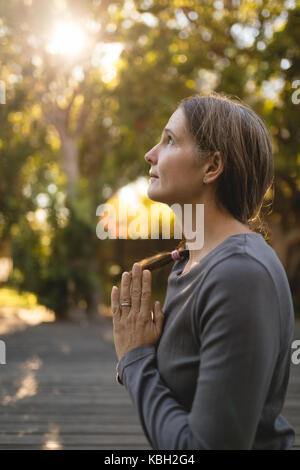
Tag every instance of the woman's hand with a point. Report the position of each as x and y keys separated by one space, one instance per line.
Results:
x=135 y=325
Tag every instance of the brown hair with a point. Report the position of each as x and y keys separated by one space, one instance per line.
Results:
x=220 y=123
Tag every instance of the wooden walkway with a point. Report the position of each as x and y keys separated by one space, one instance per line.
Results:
x=58 y=391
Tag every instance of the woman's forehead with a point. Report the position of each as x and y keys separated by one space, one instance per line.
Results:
x=177 y=123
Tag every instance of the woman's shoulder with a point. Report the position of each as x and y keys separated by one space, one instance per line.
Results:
x=245 y=289
x=245 y=274
x=246 y=255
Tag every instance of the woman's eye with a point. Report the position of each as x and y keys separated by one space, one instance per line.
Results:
x=169 y=137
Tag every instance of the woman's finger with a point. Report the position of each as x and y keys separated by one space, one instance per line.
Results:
x=115 y=304
x=158 y=316
x=125 y=293
x=146 y=293
x=136 y=287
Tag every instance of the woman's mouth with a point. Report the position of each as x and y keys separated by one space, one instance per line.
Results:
x=152 y=178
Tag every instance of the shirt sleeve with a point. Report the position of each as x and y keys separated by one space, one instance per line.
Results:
x=164 y=420
x=237 y=320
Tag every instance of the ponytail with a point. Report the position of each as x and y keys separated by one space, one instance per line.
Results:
x=164 y=258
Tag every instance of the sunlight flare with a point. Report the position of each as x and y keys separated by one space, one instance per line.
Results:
x=67 y=38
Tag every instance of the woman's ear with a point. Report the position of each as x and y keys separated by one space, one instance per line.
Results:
x=215 y=167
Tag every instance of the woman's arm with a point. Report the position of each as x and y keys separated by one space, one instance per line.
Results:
x=238 y=332
x=164 y=420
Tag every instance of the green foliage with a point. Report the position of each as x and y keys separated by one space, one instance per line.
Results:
x=76 y=140
x=11 y=298
x=55 y=266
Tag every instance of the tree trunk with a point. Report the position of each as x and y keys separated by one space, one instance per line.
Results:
x=93 y=296
x=70 y=162
x=283 y=242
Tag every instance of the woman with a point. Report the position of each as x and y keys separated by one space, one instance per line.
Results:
x=210 y=370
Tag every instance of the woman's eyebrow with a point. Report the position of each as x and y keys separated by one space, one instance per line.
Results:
x=166 y=129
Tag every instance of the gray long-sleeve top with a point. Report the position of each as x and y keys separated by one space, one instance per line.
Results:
x=217 y=378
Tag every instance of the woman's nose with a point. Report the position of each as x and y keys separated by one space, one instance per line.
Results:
x=150 y=156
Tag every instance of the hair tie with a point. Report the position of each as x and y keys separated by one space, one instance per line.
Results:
x=175 y=255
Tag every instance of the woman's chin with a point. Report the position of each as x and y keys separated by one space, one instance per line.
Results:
x=155 y=197
x=153 y=194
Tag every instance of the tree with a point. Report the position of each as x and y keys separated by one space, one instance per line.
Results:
x=94 y=129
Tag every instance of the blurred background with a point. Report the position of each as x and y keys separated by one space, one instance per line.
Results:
x=86 y=88
x=89 y=86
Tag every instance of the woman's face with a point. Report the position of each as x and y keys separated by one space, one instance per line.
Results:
x=178 y=174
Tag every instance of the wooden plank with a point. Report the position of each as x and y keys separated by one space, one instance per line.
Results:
x=71 y=428
x=74 y=439
x=75 y=401
x=107 y=447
